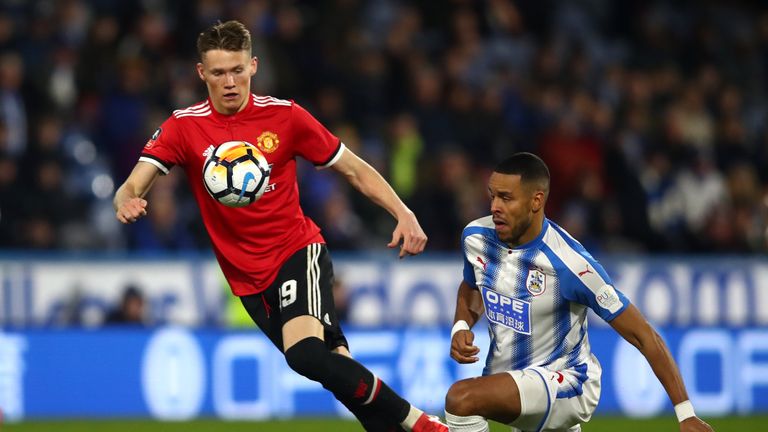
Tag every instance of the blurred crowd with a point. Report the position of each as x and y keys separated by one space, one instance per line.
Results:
x=650 y=114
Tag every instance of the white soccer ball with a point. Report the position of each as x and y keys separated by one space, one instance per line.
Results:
x=236 y=174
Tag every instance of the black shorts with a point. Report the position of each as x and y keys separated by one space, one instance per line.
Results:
x=303 y=286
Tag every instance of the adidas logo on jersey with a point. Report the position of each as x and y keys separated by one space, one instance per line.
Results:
x=208 y=151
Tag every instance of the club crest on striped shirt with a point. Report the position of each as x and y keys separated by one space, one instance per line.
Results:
x=536 y=282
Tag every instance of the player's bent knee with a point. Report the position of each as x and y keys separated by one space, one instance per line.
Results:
x=307 y=358
x=460 y=400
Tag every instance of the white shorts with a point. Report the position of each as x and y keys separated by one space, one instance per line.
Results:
x=557 y=400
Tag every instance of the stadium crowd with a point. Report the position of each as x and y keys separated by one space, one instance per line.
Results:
x=651 y=115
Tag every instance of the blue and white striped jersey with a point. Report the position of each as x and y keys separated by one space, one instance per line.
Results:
x=536 y=296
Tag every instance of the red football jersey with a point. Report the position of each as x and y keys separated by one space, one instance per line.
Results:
x=252 y=242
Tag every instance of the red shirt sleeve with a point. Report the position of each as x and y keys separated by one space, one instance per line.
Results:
x=163 y=149
x=313 y=141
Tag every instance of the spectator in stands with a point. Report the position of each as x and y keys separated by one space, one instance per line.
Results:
x=130 y=311
x=10 y=197
x=13 y=111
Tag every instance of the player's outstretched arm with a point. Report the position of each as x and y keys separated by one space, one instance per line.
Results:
x=632 y=326
x=469 y=306
x=129 y=202
x=408 y=233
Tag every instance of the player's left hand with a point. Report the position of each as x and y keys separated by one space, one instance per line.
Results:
x=695 y=424
x=409 y=231
x=463 y=348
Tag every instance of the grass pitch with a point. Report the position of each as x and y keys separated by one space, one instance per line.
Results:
x=600 y=424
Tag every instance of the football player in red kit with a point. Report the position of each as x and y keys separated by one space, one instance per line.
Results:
x=273 y=256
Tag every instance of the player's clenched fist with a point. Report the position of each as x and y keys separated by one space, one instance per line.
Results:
x=695 y=424
x=463 y=349
x=131 y=210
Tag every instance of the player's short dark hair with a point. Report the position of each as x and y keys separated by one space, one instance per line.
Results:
x=227 y=36
x=528 y=166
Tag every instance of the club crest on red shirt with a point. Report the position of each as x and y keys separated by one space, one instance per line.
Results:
x=267 y=142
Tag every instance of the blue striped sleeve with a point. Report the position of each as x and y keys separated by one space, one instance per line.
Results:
x=469 y=271
x=600 y=296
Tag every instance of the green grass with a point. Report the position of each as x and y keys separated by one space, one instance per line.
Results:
x=601 y=424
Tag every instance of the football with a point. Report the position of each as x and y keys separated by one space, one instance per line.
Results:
x=236 y=174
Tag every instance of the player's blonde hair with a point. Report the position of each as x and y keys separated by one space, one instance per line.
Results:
x=227 y=36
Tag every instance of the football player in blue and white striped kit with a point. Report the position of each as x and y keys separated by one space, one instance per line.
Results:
x=534 y=282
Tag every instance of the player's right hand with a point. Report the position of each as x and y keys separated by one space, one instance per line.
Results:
x=463 y=349
x=695 y=424
x=131 y=210
x=409 y=231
